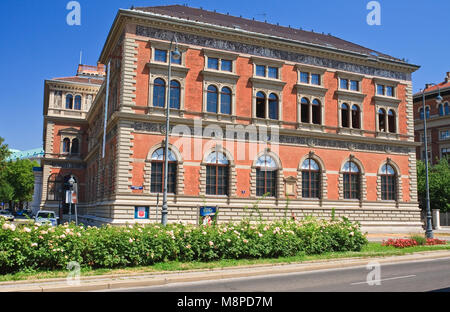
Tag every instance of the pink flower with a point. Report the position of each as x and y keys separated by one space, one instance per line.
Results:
x=211 y=243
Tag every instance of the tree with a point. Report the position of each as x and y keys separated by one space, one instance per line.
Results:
x=439 y=185
x=6 y=190
x=19 y=175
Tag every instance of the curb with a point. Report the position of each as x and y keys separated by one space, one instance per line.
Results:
x=159 y=278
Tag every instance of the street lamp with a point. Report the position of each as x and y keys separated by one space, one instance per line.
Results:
x=176 y=55
x=429 y=230
x=71 y=183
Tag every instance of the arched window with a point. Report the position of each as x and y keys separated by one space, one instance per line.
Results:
x=382 y=120
x=217 y=174
x=225 y=101
x=55 y=187
x=344 y=116
x=421 y=113
x=304 y=110
x=69 y=101
x=316 y=118
x=310 y=179
x=392 y=121
x=159 y=93
x=273 y=106
x=427 y=110
x=212 y=99
x=388 y=183
x=260 y=105
x=66 y=146
x=446 y=109
x=157 y=176
x=356 y=120
x=77 y=105
x=441 y=110
x=75 y=146
x=352 y=180
x=175 y=94
x=266 y=176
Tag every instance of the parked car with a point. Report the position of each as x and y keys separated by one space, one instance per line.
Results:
x=25 y=213
x=46 y=217
x=6 y=215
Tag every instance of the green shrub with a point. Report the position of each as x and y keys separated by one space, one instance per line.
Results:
x=421 y=240
x=35 y=247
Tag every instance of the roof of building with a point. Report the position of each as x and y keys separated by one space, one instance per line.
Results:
x=29 y=154
x=310 y=37
x=430 y=88
x=86 y=74
x=77 y=79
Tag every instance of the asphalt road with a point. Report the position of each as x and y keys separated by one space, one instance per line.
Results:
x=414 y=276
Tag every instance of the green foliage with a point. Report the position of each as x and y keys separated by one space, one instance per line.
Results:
x=40 y=247
x=19 y=176
x=4 y=152
x=439 y=185
x=420 y=239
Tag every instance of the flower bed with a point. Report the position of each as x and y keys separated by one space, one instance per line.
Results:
x=403 y=243
x=35 y=247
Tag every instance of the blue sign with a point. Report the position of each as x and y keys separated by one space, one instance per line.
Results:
x=137 y=187
x=141 y=212
x=207 y=211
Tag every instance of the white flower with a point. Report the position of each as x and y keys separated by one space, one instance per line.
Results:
x=131 y=240
x=204 y=233
x=79 y=234
x=16 y=239
x=188 y=246
x=67 y=231
x=245 y=241
x=228 y=240
x=25 y=229
x=34 y=244
x=260 y=235
x=5 y=226
x=351 y=233
x=211 y=243
x=63 y=236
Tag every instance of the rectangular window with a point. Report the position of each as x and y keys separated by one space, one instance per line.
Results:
x=226 y=65
x=354 y=85
x=445 y=152
x=175 y=61
x=213 y=63
x=304 y=77
x=380 y=89
x=273 y=72
x=160 y=55
x=389 y=91
x=344 y=84
x=315 y=79
x=261 y=70
x=444 y=135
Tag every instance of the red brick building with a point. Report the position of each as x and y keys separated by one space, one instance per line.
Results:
x=438 y=120
x=256 y=109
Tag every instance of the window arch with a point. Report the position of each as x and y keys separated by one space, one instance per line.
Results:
x=273 y=106
x=212 y=99
x=381 y=120
x=304 y=110
x=175 y=94
x=352 y=180
x=260 y=105
x=157 y=172
x=77 y=104
x=316 y=108
x=66 y=146
x=310 y=179
x=356 y=117
x=217 y=174
x=266 y=176
x=441 y=110
x=159 y=92
x=225 y=101
x=392 y=123
x=345 y=120
x=75 y=146
x=69 y=101
x=55 y=187
x=388 y=182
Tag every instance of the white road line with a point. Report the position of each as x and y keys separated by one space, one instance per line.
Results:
x=386 y=279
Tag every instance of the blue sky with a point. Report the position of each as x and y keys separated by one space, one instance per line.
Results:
x=37 y=44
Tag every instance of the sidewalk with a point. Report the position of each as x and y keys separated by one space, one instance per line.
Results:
x=99 y=283
x=443 y=234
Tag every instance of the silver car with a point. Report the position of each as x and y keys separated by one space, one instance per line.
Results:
x=46 y=217
x=6 y=215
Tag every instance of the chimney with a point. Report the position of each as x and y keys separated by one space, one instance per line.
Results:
x=447 y=78
x=428 y=85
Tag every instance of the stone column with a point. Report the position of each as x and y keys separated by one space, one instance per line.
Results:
x=36 y=203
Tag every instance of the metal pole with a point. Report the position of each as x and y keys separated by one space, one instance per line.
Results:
x=429 y=231
x=166 y=143
x=106 y=109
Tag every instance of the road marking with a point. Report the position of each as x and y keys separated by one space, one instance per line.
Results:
x=386 y=279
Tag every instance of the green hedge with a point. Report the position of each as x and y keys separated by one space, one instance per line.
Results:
x=34 y=247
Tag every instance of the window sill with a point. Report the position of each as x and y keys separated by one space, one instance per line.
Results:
x=263 y=82
x=175 y=68
x=355 y=95
x=211 y=74
x=388 y=99
x=307 y=87
x=350 y=131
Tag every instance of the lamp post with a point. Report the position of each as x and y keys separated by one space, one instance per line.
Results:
x=429 y=230
x=71 y=183
x=176 y=56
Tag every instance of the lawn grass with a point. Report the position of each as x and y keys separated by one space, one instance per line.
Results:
x=370 y=250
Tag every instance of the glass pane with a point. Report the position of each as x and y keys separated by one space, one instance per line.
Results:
x=175 y=61
x=226 y=65
x=304 y=77
x=261 y=70
x=273 y=107
x=213 y=63
x=159 y=155
x=273 y=72
x=380 y=89
x=212 y=97
x=159 y=93
x=315 y=79
x=389 y=91
x=156 y=184
x=225 y=101
x=344 y=84
x=354 y=85
x=175 y=93
x=160 y=55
